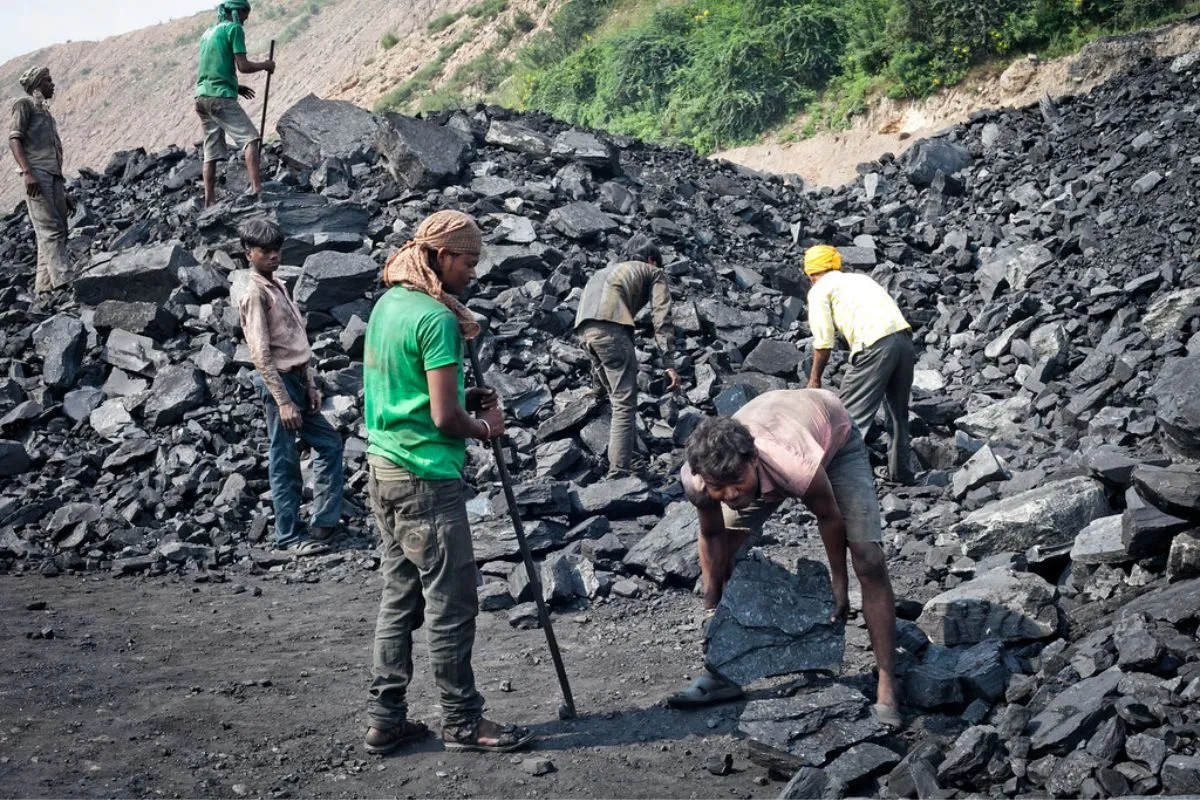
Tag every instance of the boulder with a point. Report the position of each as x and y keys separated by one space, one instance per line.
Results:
x=587 y=149
x=773 y=357
x=751 y=637
x=140 y=274
x=670 y=553
x=205 y=281
x=80 y=403
x=144 y=319
x=420 y=154
x=518 y=138
x=330 y=279
x=981 y=468
x=929 y=157
x=1177 y=391
x=618 y=499
x=13 y=458
x=1010 y=267
x=811 y=783
x=1100 y=542
x=580 y=220
x=1148 y=532
x=133 y=353
x=1183 y=560
x=313 y=130
x=807 y=729
x=969 y=755
x=1074 y=714
x=1163 y=318
x=1174 y=490
x=60 y=342
x=1049 y=515
x=1000 y=603
x=177 y=389
x=999 y=421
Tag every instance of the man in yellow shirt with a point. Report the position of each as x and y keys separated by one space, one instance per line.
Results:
x=881 y=348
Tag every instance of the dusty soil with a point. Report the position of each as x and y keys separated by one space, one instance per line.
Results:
x=892 y=126
x=169 y=686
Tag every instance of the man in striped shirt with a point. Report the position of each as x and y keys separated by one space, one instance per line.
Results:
x=881 y=349
x=604 y=326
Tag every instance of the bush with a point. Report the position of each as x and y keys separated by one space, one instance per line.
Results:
x=487 y=9
x=389 y=41
x=524 y=22
x=441 y=22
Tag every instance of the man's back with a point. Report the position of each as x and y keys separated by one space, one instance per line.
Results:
x=856 y=306
x=217 y=75
x=617 y=292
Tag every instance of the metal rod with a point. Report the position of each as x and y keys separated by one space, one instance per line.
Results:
x=262 y=128
x=534 y=581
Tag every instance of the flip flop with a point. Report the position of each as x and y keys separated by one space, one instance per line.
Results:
x=706 y=690
x=302 y=548
x=888 y=715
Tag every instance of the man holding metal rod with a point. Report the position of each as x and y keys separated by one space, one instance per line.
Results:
x=222 y=51
x=418 y=416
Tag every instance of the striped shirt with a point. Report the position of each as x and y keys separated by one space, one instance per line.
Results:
x=854 y=306
x=619 y=291
x=797 y=432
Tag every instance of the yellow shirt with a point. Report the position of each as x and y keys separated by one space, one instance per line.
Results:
x=854 y=306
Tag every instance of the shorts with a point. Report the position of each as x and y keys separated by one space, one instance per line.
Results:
x=222 y=115
x=853 y=487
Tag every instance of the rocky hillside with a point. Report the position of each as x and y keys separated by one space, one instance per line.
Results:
x=135 y=90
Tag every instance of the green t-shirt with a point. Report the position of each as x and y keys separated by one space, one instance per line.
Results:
x=409 y=334
x=218 y=46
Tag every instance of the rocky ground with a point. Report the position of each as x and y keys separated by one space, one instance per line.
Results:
x=1045 y=565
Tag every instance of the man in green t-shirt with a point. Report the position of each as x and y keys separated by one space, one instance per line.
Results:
x=222 y=49
x=418 y=418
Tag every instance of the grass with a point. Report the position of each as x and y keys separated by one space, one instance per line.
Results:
x=389 y=41
x=398 y=98
x=487 y=9
x=442 y=21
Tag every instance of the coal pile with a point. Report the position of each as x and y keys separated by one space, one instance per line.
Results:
x=1048 y=258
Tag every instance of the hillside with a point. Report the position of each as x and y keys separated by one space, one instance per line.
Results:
x=134 y=90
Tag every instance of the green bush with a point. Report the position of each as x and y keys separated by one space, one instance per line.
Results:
x=441 y=22
x=389 y=41
x=487 y=9
x=524 y=22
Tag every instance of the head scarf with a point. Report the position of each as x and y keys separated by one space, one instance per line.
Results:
x=821 y=258
x=225 y=10
x=32 y=78
x=452 y=230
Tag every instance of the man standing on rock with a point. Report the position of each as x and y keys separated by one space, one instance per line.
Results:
x=33 y=139
x=881 y=349
x=419 y=417
x=275 y=334
x=611 y=300
x=222 y=49
x=797 y=444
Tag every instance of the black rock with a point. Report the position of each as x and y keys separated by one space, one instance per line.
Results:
x=145 y=319
x=420 y=154
x=61 y=342
x=330 y=279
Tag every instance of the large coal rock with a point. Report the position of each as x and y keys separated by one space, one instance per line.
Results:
x=1074 y=714
x=420 y=154
x=314 y=130
x=752 y=637
x=670 y=553
x=330 y=279
x=1174 y=490
x=617 y=499
x=926 y=159
x=147 y=274
x=177 y=389
x=1177 y=391
x=999 y=604
x=580 y=220
x=61 y=342
x=806 y=730
x=145 y=319
x=1048 y=515
x=13 y=458
x=518 y=138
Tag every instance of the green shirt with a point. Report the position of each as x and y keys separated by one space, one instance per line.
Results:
x=218 y=46
x=409 y=334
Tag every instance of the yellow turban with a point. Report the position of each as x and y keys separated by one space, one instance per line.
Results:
x=821 y=258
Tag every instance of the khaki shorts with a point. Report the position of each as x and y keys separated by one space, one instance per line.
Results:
x=853 y=488
x=222 y=115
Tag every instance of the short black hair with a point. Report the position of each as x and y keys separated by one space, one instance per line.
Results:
x=719 y=449
x=260 y=232
x=642 y=248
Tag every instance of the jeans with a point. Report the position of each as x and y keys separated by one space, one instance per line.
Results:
x=614 y=361
x=287 y=484
x=883 y=372
x=428 y=569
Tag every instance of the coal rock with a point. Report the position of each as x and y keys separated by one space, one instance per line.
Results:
x=926 y=159
x=518 y=138
x=145 y=319
x=1177 y=392
x=670 y=553
x=1074 y=714
x=13 y=458
x=141 y=274
x=330 y=279
x=420 y=154
x=618 y=499
x=807 y=729
x=177 y=390
x=1174 y=490
x=314 y=130
x=1000 y=603
x=61 y=342
x=580 y=220
x=1050 y=514
x=810 y=783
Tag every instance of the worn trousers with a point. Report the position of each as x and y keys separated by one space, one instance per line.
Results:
x=428 y=569
x=283 y=464
x=614 y=361
x=883 y=373
x=48 y=214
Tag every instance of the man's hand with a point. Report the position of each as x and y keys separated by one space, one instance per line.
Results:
x=314 y=399
x=672 y=379
x=481 y=399
x=291 y=417
x=841 y=604
x=494 y=417
x=268 y=66
x=246 y=92
x=32 y=187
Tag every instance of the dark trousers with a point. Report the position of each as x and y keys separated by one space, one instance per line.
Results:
x=883 y=373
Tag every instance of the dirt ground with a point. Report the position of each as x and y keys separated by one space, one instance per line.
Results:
x=255 y=686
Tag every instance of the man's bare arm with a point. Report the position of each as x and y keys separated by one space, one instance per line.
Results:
x=820 y=501
x=820 y=361
x=718 y=546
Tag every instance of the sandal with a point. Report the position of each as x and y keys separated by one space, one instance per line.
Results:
x=381 y=741
x=304 y=547
x=465 y=738
x=706 y=690
x=888 y=716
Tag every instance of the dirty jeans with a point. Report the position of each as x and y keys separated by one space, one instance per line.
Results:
x=48 y=215
x=283 y=465
x=428 y=569
x=614 y=360
x=880 y=372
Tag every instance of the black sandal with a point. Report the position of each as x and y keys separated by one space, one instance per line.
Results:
x=465 y=738
x=388 y=739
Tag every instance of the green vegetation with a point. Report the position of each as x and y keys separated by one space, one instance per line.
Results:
x=712 y=73
x=301 y=22
x=442 y=21
x=487 y=9
x=389 y=41
x=398 y=98
x=193 y=36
